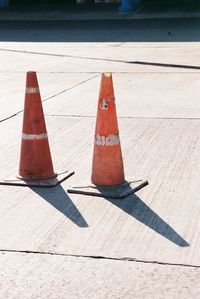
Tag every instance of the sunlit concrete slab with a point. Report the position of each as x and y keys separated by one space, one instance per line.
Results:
x=12 y=92
x=150 y=95
x=158 y=41
x=160 y=223
x=158 y=109
x=42 y=276
x=71 y=61
x=96 y=56
x=11 y=62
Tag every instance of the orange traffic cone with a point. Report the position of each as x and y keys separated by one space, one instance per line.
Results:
x=107 y=168
x=35 y=160
x=35 y=167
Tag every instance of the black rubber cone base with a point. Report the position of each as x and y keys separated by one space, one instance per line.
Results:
x=117 y=192
x=43 y=183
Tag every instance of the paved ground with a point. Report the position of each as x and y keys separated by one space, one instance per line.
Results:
x=59 y=245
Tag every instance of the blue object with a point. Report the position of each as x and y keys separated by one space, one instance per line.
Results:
x=127 y=5
x=4 y=2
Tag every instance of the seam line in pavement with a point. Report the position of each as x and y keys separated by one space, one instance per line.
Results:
x=65 y=90
x=171 y=65
x=7 y=118
x=113 y=72
x=127 y=259
x=53 y=96
x=124 y=117
x=63 y=55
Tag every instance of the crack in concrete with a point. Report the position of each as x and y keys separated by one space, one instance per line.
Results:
x=126 y=259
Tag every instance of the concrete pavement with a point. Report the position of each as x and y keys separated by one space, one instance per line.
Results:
x=34 y=276
x=59 y=245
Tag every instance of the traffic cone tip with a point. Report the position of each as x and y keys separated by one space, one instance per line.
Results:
x=107 y=74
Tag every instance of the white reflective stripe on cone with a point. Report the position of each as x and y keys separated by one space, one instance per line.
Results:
x=32 y=90
x=34 y=136
x=107 y=140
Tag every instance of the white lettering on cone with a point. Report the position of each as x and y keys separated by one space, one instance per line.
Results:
x=32 y=90
x=106 y=140
x=34 y=136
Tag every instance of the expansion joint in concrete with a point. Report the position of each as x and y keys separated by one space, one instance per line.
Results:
x=125 y=259
x=147 y=63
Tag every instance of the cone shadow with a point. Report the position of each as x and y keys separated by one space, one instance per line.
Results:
x=60 y=200
x=136 y=208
